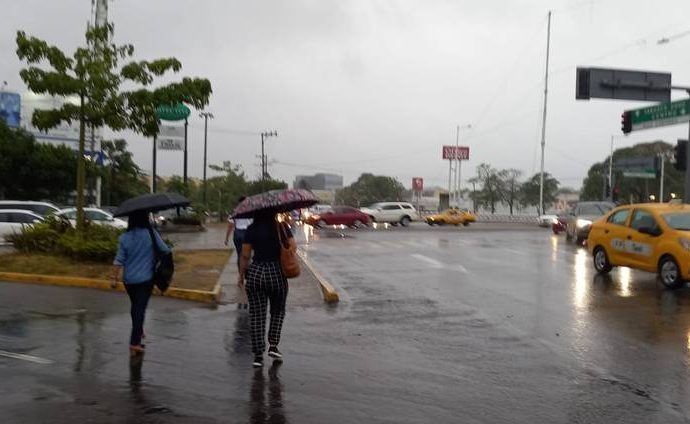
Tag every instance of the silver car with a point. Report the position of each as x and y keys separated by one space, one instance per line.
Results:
x=580 y=219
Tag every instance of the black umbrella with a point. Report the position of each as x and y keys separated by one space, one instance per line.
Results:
x=275 y=200
x=151 y=203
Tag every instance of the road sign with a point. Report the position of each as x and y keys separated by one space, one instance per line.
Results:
x=176 y=131
x=622 y=84
x=176 y=112
x=648 y=175
x=170 y=143
x=662 y=114
x=456 y=152
x=418 y=184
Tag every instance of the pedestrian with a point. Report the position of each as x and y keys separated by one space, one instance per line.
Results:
x=238 y=227
x=135 y=261
x=265 y=283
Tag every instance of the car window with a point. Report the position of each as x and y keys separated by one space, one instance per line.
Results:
x=592 y=209
x=95 y=215
x=4 y=217
x=620 y=217
x=390 y=207
x=407 y=207
x=42 y=209
x=678 y=221
x=642 y=219
x=22 y=218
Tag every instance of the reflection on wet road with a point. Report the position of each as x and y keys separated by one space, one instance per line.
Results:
x=439 y=325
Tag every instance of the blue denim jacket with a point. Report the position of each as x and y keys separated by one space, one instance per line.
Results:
x=135 y=254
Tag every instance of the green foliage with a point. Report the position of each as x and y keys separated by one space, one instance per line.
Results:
x=491 y=191
x=97 y=243
x=94 y=75
x=530 y=191
x=122 y=178
x=34 y=171
x=370 y=189
x=633 y=188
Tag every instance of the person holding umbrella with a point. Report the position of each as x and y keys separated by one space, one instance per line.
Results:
x=263 y=278
x=136 y=257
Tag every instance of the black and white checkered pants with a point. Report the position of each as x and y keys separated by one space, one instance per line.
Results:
x=265 y=283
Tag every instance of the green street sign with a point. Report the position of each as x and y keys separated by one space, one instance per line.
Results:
x=648 y=175
x=172 y=113
x=662 y=114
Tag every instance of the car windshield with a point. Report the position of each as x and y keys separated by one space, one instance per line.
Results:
x=594 y=209
x=678 y=221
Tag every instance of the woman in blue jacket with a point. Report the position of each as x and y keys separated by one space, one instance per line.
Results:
x=135 y=256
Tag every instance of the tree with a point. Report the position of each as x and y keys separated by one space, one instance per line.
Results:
x=369 y=189
x=510 y=186
x=593 y=186
x=122 y=178
x=492 y=190
x=530 y=191
x=94 y=76
x=34 y=171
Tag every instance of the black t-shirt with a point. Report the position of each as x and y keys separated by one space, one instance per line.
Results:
x=263 y=237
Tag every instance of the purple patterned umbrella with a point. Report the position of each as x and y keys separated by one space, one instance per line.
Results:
x=275 y=200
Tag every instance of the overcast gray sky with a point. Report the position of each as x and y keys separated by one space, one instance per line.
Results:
x=379 y=86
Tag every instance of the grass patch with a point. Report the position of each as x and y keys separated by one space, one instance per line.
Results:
x=194 y=269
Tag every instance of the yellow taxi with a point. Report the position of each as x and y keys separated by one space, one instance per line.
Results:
x=653 y=237
x=451 y=217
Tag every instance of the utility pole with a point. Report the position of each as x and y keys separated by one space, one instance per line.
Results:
x=610 y=196
x=662 y=158
x=206 y=116
x=184 y=178
x=543 y=123
x=457 y=165
x=264 y=168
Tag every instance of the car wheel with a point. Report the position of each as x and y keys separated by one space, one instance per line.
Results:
x=601 y=261
x=669 y=273
x=371 y=218
x=357 y=223
x=431 y=224
x=405 y=221
x=395 y=224
x=465 y=224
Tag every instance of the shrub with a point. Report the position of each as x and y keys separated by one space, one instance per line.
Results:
x=98 y=243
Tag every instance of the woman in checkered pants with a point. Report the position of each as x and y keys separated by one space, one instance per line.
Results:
x=265 y=284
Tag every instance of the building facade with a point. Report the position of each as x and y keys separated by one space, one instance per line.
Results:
x=326 y=182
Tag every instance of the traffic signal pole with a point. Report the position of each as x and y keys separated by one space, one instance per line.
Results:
x=686 y=194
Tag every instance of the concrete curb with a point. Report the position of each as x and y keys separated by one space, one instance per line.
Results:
x=330 y=294
x=93 y=283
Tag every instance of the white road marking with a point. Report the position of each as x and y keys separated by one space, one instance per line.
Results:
x=433 y=263
x=23 y=357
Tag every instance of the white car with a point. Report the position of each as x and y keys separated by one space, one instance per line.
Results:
x=547 y=219
x=392 y=212
x=95 y=215
x=39 y=208
x=13 y=220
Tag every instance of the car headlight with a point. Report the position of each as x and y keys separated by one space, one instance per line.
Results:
x=581 y=223
x=685 y=243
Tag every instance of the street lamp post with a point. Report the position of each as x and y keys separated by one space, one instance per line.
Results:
x=264 y=136
x=458 y=169
x=206 y=116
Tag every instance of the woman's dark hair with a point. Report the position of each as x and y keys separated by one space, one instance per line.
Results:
x=138 y=220
x=266 y=215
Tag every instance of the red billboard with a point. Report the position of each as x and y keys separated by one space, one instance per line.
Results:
x=418 y=184
x=456 y=152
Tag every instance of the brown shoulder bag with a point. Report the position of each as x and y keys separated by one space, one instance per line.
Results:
x=289 y=262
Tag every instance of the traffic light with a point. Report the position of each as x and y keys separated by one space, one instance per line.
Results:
x=626 y=122
x=680 y=155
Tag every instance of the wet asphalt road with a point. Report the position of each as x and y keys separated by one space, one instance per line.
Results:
x=486 y=324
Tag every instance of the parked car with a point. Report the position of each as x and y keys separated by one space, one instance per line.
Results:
x=452 y=217
x=40 y=208
x=95 y=215
x=339 y=215
x=547 y=219
x=13 y=220
x=581 y=217
x=392 y=212
x=652 y=237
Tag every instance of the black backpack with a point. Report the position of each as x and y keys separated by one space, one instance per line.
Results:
x=163 y=267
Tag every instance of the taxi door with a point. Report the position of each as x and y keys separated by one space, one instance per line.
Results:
x=613 y=236
x=640 y=246
x=453 y=217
